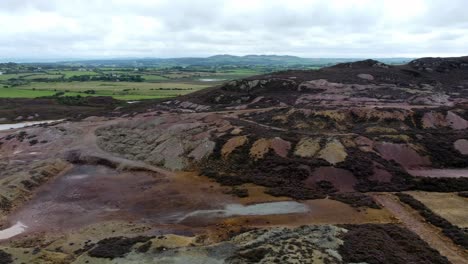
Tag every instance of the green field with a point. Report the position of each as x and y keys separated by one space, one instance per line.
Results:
x=68 y=74
x=118 y=90
x=5 y=77
x=153 y=77
x=118 y=82
x=45 y=76
x=20 y=93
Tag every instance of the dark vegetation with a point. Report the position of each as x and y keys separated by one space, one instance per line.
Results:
x=88 y=245
x=144 y=248
x=5 y=204
x=443 y=154
x=439 y=184
x=456 y=234
x=107 y=77
x=386 y=243
x=286 y=176
x=253 y=255
x=239 y=192
x=5 y=258
x=356 y=200
x=116 y=247
x=56 y=107
x=282 y=176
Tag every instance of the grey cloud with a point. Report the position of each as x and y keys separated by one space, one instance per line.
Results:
x=164 y=28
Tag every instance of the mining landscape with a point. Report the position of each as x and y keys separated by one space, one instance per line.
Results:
x=360 y=162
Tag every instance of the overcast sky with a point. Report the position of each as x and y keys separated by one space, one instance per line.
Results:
x=59 y=29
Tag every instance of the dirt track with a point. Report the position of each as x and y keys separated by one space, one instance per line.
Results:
x=411 y=220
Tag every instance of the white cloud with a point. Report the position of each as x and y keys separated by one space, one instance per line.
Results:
x=165 y=28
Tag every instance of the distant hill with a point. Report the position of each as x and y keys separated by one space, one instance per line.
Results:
x=223 y=60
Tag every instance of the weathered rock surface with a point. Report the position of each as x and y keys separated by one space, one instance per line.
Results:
x=333 y=152
x=171 y=143
x=307 y=147
x=232 y=144
x=263 y=145
x=462 y=146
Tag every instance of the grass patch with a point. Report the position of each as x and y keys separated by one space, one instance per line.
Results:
x=69 y=74
x=42 y=76
x=23 y=93
x=118 y=90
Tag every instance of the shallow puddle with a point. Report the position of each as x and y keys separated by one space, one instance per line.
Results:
x=25 y=124
x=12 y=231
x=274 y=208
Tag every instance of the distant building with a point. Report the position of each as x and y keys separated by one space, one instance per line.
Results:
x=1 y=73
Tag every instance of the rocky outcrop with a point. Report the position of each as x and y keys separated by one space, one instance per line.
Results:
x=441 y=65
x=366 y=76
x=261 y=147
x=249 y=86
x=307 y=147
x=232 y=144
x=438 y=120
x=171 y=143
x=18 y=181
x=333 y=152
x=318 y=244
x=462 y=146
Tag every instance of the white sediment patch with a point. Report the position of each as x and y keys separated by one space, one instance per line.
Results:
x=14 y=230
x=275 y=208
x=78 y=176
x=25 y=124
x=211 y=80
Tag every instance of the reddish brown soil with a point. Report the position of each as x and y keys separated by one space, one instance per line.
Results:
x=440 y=173
x=342 y=180
x=95 y=193
x=402 y=154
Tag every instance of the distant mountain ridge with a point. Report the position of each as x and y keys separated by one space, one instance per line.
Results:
x=225 y=59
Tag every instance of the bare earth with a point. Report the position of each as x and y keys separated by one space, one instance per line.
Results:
x=411 y=220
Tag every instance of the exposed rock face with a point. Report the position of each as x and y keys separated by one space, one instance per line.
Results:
x=462 y=146
x=362 y=64
x=456 y=122
x=364 y=144
x=320 y=84
x=432 y=99
x=366 y=76
x=334 y=152
x=17 y=184
x=307 y=147
x=280 y=147
x=169 y=142
x=318 y=244
x=263 y=145
x=252 y=85
x=260 y=148
x=442 y=65
x=438 y=120
x=342 y=180
x=188 y=105
x=403 y=154
x=433 y=120
x=232 y=144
